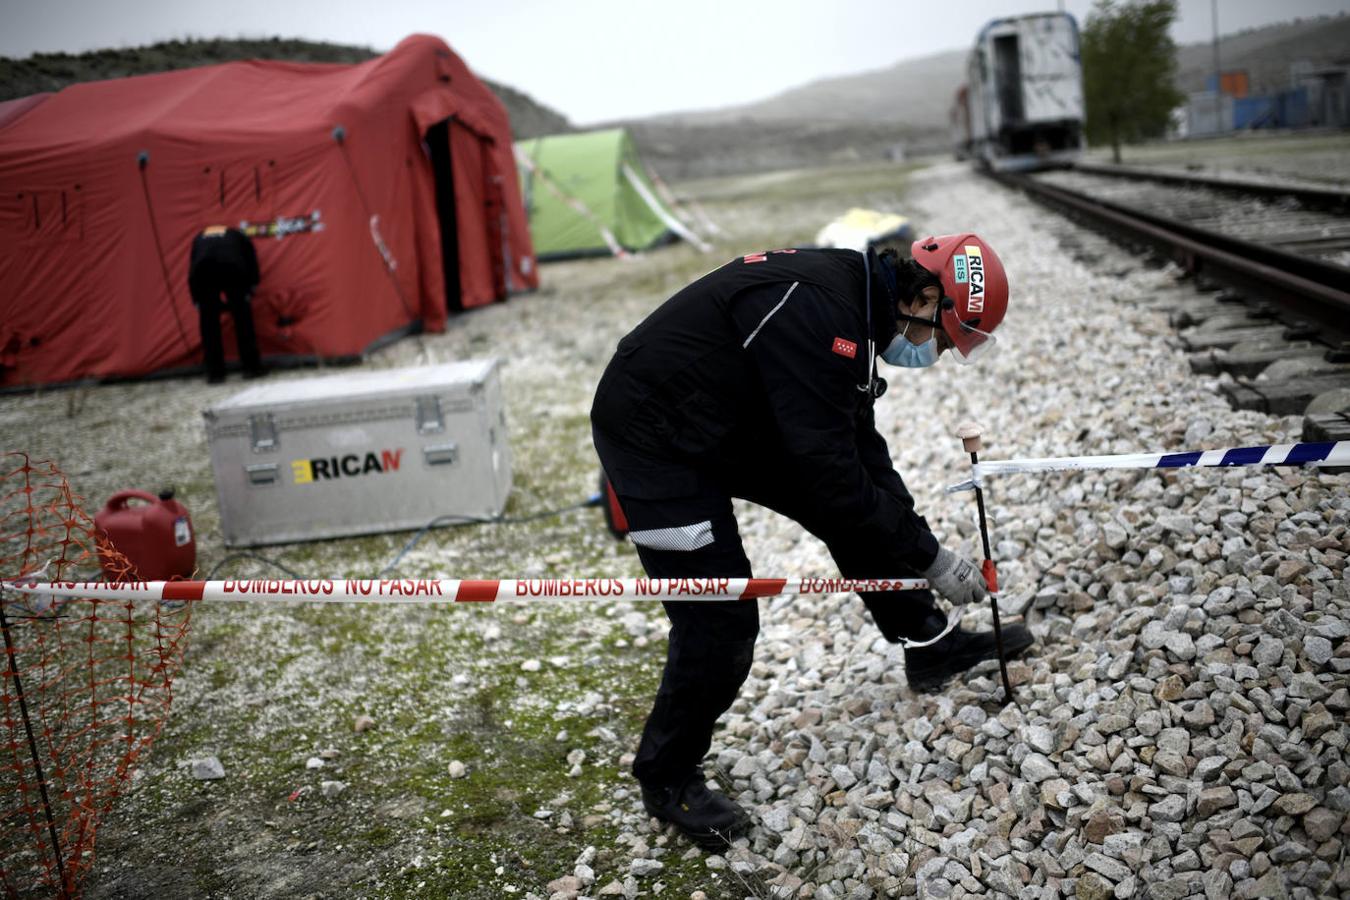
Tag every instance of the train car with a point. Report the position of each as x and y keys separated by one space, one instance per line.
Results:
x=1025 y=93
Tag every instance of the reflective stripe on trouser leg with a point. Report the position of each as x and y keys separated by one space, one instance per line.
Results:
x=685 y=538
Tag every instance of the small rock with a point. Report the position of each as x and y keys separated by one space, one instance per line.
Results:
x=1037 y=768
x=314 y=763
x=362 y=723
x=1181 y=645
x=1100 y=825
x=641 y=867
x=1209 y=768
x=843 y=776
x=567 y=884
x=1291 y=851
x=1170 y=763
x=331 y=789
x=1170 y=689
x=775 y=820
x=207 y=768
x=1295 y=804
x=1112 y=723
x=1112 y=869
x=1268 y=651
x=1041 y=739
x=1175 y=740
x=1321 y=823
x=1201 y=715
x=458 y=769
x=1214 y=799
x=1117 y=846
x=1168 y=809
x=1173 y=888
x=1092 y=887
x=531 y=665
x=1317 y=649
x=1305 y=686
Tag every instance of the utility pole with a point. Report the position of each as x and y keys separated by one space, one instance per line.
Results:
x=1218 y=72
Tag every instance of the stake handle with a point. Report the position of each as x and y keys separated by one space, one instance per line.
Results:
x=969 y=433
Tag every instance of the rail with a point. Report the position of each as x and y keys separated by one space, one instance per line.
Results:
x=1309 y=196
x=1313 y=290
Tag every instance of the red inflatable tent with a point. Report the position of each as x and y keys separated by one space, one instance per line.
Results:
x=382 y=196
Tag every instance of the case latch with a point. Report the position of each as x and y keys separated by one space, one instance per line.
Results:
x=429 y=416
x=440 y=454
x=261 y=473
x=263 y=431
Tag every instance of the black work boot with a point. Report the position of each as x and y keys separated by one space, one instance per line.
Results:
x=708 y=818
x=929 y=668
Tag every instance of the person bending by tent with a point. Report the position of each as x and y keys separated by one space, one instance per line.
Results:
x=758 y=381
x=225 y=265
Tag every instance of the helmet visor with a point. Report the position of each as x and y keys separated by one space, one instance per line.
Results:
x=968 y=342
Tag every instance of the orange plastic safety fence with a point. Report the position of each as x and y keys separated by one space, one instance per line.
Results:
x=86 y=687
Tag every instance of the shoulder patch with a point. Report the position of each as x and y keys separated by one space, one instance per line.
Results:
x=845 y=348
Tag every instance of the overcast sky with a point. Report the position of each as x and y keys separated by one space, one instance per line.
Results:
x=594 y=60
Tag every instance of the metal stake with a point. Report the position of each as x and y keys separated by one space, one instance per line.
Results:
x=32 y=747
x=969 y=433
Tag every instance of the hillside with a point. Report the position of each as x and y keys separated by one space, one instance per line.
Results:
x=916 y=92
x=870 y=114
x=53 y=71
x=1267 y=53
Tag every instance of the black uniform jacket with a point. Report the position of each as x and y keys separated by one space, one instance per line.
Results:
x=768 y=351
x=225 y=255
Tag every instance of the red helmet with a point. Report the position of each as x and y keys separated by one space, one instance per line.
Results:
x=972 y=277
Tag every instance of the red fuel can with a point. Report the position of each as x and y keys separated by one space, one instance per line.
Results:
x=154 y=534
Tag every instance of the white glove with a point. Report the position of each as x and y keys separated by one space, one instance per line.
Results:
x=955 y=578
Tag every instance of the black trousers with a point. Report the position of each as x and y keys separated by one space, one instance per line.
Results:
x=207 y=292
x=692 y=532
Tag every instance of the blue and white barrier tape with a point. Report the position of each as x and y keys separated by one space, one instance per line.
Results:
x=1325 y=453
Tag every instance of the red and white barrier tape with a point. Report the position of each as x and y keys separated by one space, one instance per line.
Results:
x=677 y=206
x=666 y=216
x=449 y=590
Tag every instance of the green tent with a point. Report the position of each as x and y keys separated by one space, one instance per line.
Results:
x=588 y=194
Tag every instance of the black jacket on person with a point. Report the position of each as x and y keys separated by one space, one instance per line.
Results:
x=771 y=347
x=223 y=258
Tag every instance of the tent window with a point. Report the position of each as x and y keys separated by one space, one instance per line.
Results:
x=49 y=215
x=238 y=188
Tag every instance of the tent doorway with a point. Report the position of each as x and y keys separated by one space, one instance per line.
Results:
x=468 y=189
x=438 y=146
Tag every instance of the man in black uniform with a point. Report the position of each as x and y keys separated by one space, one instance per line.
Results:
x=758 y=381
x=223 y=262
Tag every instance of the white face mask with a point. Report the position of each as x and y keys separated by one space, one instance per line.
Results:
x=900 y=352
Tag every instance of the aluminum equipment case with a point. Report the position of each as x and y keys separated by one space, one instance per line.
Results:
x=360 y=452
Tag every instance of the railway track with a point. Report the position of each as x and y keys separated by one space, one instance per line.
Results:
x=1280 y=322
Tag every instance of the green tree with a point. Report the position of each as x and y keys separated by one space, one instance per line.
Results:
x=1129 y=68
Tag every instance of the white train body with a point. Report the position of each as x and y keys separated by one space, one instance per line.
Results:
x=1025 y=92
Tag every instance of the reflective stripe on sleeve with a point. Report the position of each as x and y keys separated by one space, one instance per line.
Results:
x=768 y=315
